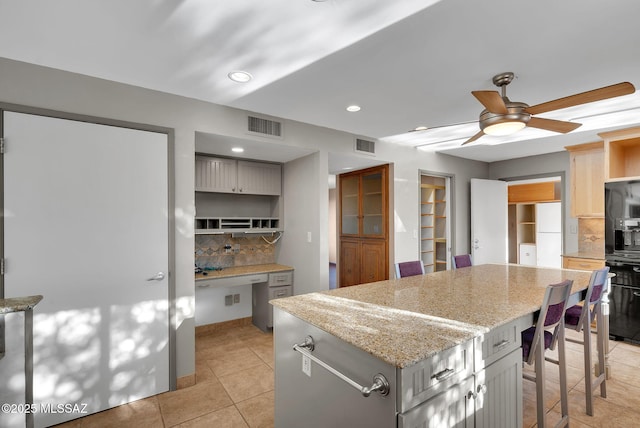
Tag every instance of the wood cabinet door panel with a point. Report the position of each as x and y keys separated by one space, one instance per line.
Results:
x=373 y=261
x=349 y=263
x=587 y=183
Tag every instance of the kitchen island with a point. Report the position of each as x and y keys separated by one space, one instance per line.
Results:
x=447 y=345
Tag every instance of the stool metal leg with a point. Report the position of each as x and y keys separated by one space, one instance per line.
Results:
x=562 y=365
x=540 y=382
x=588 y=381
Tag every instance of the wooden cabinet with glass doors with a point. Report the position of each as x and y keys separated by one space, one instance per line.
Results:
x=363 y=225
x=433 y=223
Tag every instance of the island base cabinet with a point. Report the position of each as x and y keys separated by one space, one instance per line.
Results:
x=309 y=395
x=323 y=399
x=491 y=398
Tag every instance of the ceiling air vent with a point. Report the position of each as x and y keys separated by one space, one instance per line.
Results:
x=265 y=126
x=365 y=146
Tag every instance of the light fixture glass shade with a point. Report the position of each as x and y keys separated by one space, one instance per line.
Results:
x=504 y=128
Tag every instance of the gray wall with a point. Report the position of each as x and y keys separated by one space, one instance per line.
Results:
x=305 y=179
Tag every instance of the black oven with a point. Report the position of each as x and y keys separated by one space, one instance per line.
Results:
x=624 y=299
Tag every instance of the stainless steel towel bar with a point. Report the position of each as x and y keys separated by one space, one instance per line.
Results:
x=380 y=382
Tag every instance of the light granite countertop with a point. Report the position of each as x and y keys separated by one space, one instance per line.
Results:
x=243 y=270
x=403 y=321
x=18 y=304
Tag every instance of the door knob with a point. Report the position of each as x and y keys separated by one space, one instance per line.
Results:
x=157 y=277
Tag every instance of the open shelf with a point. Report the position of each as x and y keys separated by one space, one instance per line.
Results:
x=220 y=225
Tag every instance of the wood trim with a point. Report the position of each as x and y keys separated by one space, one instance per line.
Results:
x=621 y=134
x=585 y=146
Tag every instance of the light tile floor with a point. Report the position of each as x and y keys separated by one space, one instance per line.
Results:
x=235 y=384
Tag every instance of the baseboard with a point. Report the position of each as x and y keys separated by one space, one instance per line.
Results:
x=203 y=330
x=186 y=381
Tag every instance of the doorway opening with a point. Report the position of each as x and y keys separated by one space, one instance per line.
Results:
x=535 y=219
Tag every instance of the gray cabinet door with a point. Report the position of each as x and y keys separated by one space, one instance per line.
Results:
x=450 y=408
x=215 y=175
x=258 y=178
x=499 y=393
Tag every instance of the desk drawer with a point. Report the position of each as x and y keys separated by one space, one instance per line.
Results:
x=277 y=279
x=582 y=264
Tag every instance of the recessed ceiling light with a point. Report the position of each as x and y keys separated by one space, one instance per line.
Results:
x=353 y=108
x=237 y=149
x=421 y=128
x=240 y=76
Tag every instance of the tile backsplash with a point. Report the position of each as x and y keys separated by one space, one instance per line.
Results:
x=210 y=251
x=591 y=235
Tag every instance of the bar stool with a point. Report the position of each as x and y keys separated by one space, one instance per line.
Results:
x=462 y=260
x=579 y=318
x=409 y=269
x=548 y=330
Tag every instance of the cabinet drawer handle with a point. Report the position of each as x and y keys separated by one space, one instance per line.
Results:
x=443 y=374
x=501 y=344
x=282 y=293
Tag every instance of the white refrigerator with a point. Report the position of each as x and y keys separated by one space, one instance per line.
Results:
x=549 y=234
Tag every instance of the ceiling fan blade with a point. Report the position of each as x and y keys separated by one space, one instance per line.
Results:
x=491 y=100
x=474 y=138
x=553 y=125
x=617 y=90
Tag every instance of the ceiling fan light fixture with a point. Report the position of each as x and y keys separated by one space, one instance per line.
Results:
x=504 y=128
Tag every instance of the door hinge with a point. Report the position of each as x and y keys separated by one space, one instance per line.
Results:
x=1 y=145
x=2 y=266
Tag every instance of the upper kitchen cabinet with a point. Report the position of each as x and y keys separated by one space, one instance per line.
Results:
x=621 y=154
x=587 y=179
x=364 y=245
x=530 y=193
x=224 y=175
x=363 y=203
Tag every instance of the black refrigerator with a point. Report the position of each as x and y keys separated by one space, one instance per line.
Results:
x=622 y=254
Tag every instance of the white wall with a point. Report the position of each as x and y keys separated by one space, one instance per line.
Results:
x=306 y=208
x=544 y=165
x=333 y=226
x=305 y=180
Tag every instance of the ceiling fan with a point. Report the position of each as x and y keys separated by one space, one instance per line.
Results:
x=502 y=116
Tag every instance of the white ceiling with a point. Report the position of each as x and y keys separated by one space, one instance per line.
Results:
x=406 y=63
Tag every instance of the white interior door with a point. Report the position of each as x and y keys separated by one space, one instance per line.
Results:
x=86 y=226
x=489 y=221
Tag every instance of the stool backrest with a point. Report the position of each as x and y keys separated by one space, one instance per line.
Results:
x=597 y=286
x=409 y=269
x=462 y=260
x=551 y=313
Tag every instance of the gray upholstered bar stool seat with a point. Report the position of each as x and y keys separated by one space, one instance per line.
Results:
x=545 y=334
x=579 y=318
